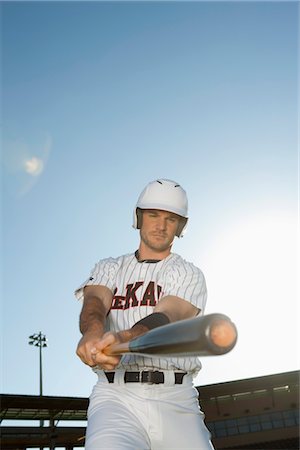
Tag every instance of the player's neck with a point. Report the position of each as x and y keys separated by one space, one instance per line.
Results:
x=145 y=253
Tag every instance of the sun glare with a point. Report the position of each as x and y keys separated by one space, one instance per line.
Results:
x=256 y=259
x=34 y=166
x=252 y=277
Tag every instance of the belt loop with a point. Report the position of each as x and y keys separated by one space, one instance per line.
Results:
x=102 y=378
x=169 y=378
x=119 y=376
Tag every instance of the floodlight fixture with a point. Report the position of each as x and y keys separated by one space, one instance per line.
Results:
x=39 y=340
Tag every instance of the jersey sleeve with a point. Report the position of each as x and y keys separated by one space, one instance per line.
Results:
x=187 y=282
x=103 y=273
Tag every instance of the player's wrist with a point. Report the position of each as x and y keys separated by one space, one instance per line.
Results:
x=95 y=329
x=127 y=335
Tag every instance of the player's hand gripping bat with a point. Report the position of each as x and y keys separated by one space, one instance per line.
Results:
x=212 y=334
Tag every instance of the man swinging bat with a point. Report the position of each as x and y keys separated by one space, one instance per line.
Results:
x=144 y=401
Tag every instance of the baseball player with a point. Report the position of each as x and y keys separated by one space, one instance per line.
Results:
x=141 y=402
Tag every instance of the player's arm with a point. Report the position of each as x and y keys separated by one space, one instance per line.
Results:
x=169 y=309
x=96 y=305
x=176 y=308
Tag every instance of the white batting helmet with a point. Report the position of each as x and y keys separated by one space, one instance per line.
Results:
x=166 y=195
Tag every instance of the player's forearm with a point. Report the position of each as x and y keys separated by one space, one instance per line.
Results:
x=143 y=326
x=93 y=316
x=176 y=308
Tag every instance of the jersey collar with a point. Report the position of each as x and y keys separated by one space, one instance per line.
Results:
x=151 y=261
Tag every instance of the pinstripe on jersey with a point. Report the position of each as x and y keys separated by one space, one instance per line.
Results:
x=137 y=287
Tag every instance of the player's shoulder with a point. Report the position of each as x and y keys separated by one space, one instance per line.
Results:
x=177 y=262
x=116 y=261
x=176 y=259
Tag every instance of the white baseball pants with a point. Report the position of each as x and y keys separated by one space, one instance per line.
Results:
x=139 y=416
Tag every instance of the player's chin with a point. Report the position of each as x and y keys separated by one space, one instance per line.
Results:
x=161 y=244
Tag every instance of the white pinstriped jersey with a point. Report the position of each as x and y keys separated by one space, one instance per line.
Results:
x=137 y=287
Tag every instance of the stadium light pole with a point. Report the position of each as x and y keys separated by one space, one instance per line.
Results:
x=39 y=340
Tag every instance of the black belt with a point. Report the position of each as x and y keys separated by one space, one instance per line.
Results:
x=149 y=376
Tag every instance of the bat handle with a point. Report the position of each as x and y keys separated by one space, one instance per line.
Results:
x=117 y=349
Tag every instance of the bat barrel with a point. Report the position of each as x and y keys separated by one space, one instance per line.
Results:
x=212 y=334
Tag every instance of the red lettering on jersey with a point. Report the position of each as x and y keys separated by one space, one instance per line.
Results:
x=149 y=295
x=117 y=301
x=130 y=299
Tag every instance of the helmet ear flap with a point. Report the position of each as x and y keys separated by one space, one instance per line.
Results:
x=181 y=227
x=139 y=218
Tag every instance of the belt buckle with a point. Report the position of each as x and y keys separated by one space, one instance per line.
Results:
x=152 y=377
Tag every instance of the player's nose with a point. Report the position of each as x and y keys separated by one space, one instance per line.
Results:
x=161 y=223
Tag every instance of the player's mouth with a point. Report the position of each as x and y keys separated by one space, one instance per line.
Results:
x=159 y=236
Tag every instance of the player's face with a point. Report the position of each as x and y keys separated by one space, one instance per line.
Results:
x=158 y=229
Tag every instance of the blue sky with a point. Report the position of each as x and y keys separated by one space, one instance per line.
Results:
x=100 y=98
